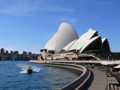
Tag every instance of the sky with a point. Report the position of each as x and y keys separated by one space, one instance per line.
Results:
x=28 y=24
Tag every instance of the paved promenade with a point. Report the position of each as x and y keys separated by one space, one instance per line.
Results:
x=102 y=82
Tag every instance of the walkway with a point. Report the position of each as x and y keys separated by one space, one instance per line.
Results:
x=102 y=82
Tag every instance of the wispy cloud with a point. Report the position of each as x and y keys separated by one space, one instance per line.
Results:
x=69 y=19
x=28 y=7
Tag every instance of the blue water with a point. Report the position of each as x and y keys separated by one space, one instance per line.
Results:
x=12 y=76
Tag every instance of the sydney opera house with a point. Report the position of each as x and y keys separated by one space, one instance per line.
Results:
x=66 y=40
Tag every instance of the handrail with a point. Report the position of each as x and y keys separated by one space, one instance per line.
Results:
x=86 y=82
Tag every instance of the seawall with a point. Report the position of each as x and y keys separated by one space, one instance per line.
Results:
x=82 y=82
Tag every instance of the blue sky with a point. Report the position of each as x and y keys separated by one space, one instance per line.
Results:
x=28 y=24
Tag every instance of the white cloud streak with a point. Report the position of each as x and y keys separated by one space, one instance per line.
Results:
x=28 y=7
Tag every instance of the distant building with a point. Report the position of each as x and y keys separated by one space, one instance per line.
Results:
x=15 y=55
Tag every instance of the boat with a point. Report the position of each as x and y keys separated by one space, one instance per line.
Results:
x=29 y=70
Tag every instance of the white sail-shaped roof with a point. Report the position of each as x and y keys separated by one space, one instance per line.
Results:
x=79 y=44
x=105 y=45
x=62 y=37
x=92 y=44
x=104 y=39
x=67 y=47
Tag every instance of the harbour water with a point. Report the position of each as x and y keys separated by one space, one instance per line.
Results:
x=14 y=77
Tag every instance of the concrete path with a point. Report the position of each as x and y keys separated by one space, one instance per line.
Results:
x=102 y=82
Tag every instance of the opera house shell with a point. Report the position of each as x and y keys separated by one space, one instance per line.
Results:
x=61 y=38
x=66 y=39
